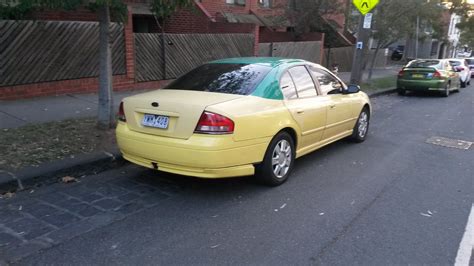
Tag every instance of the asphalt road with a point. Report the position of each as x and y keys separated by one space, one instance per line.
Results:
x=393 y=199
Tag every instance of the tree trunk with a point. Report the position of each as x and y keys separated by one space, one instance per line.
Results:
x=372 y=64
x=105 y=111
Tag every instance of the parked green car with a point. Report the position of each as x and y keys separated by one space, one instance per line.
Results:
x=428 y=75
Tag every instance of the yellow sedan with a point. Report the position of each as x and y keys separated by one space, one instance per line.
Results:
x=241 y=116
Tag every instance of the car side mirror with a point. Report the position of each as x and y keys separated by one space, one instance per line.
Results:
x=351 y=89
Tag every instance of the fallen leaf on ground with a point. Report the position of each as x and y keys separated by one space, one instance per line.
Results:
x=8 y=195
x=68 y=179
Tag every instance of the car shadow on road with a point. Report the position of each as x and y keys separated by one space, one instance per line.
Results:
x=245 y=184
x=426 y=94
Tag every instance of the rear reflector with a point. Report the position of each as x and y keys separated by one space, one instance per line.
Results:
x=211 y=123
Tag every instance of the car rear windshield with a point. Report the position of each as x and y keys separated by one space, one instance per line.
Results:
x=455 y=63
x=241 y=79
x=426 y=63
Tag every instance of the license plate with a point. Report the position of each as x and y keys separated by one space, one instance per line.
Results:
x=158 y=121
x=418 y=76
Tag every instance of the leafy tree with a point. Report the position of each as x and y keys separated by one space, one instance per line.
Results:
x=466 y=26
x=312 y=15
x=20 y=9
x=395 y=20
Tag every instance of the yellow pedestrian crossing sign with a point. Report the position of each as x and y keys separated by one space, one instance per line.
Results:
x=365 y=6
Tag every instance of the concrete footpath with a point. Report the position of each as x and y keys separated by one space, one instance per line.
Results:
x=53 y=108
x=56 y=108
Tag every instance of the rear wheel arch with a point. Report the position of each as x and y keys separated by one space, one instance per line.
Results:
x=292 y=133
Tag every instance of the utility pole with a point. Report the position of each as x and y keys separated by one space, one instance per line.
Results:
x=363 y=35
x=417 y=35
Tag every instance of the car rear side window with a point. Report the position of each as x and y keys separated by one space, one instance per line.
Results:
x=241 y=79
x=288 y=87
x=303 y=81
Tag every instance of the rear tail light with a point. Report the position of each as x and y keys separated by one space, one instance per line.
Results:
x=460 y=68
x=121 y=113
x=401 y=73
x=211 y=123
x=437 y=74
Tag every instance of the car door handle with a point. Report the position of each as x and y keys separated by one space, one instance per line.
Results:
x=332 y=106
x=300 y=111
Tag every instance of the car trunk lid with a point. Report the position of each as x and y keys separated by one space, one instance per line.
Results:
x=177 y=111
x=419 y=73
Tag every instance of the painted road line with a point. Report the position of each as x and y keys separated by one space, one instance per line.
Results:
x=467 y=243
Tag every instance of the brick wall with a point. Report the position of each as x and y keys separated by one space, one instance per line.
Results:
x=129 y=46
x=86 y=85
x=188 y=21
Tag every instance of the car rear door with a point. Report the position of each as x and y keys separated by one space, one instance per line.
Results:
x=301 y=99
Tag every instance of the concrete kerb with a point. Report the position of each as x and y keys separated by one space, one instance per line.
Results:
x=29 y=176
x=381 y=92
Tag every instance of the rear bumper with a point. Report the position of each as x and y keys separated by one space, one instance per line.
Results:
x=234 y=171
x=204 y=156
x=421 y=84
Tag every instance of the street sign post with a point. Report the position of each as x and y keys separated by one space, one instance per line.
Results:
x=368 y=21
x=363 y=34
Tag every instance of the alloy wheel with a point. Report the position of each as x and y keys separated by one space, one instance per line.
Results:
x=281 y=158
x=363 y=124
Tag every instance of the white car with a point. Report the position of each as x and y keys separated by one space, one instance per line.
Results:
x=461 y=66
x=470 y=62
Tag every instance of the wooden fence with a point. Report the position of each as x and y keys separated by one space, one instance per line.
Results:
x=343 y=56
x=310 y=51
x=40 y=51
x=184 y=52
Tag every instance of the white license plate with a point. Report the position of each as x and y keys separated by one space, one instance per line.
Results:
x=158 y=121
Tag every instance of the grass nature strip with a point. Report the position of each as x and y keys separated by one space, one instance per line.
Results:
x=32 y=145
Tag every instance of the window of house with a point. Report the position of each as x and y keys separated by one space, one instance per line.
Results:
x=235 y=2
x=327 y=82
x=303 y=82
x=265 y=3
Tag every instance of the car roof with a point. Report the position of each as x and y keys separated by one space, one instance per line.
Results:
x=270 y=61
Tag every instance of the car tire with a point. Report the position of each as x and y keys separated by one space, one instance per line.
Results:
x=401 y=92
x=361 y=128
x=463 y=84
x=458 y=88
x=445 y=93
x=278 y=161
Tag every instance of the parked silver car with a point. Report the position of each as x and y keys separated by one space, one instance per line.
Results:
x=461 y=66
x=470 y=62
